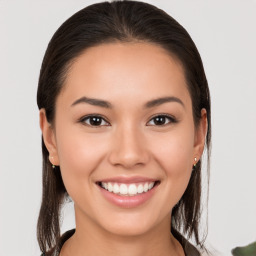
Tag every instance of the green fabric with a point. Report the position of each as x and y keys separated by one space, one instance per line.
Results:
x=249 y=250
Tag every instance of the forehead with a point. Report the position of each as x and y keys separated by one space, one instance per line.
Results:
x=135 y=70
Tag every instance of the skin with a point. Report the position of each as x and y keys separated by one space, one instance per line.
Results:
x=128 y=143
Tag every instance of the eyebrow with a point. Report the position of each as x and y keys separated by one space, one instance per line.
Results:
x=94 y=102
x=106 y=104
x=160 y=101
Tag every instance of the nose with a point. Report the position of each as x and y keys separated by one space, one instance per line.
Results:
x=128 y=148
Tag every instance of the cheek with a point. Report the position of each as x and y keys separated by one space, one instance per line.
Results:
x=174 y=153
x=79 y=156
x=175 y=150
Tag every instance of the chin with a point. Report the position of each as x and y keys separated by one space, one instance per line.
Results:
x=125 y=230
x=130 y=224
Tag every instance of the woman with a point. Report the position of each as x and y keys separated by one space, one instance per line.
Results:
x=125 y=115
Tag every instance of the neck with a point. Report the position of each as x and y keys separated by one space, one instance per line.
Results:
x=90 y=239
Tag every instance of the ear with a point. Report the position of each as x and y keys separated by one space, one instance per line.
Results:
x=200 y=135
x=49 y=138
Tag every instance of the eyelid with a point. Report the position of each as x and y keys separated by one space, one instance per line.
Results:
x=170 y=117
x=84 y=118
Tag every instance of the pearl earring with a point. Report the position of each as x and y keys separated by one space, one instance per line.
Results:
x=53 y=166
x=195 y=161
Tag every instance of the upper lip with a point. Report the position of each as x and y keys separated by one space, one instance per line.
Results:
x=128 y=180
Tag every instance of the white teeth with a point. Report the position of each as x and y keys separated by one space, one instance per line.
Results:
x=116 y=189
x=145 y=187
x=127 y=190
x=123 y=189
x=140 y=189
x=150 y=185
x=132 y=189
x=105 y=185
x=110 y=187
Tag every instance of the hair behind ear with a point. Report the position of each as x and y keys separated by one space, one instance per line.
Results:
x=185 y=219
x=48 y=226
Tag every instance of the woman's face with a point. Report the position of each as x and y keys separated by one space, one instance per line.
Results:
x=124 y=137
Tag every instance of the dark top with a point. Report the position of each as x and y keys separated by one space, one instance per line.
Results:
x=188 y=248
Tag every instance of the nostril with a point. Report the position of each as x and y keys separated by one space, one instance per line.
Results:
x=128 y=161
x=129 y=151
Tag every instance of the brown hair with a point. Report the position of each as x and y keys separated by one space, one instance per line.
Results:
x=123 y=21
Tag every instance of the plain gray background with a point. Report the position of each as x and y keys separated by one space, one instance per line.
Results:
x=225 y=34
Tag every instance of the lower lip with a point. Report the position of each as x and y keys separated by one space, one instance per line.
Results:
x=128 y=201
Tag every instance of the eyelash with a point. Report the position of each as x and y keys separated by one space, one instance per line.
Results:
x=171 y=119
x=90 y=118
x=100 y=119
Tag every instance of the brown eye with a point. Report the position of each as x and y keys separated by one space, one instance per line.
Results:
x=95 y=121
x=161 y=120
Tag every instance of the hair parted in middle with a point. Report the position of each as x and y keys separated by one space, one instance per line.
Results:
x=118 y=21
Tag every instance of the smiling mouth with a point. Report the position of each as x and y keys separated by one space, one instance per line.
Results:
x=123 y=189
